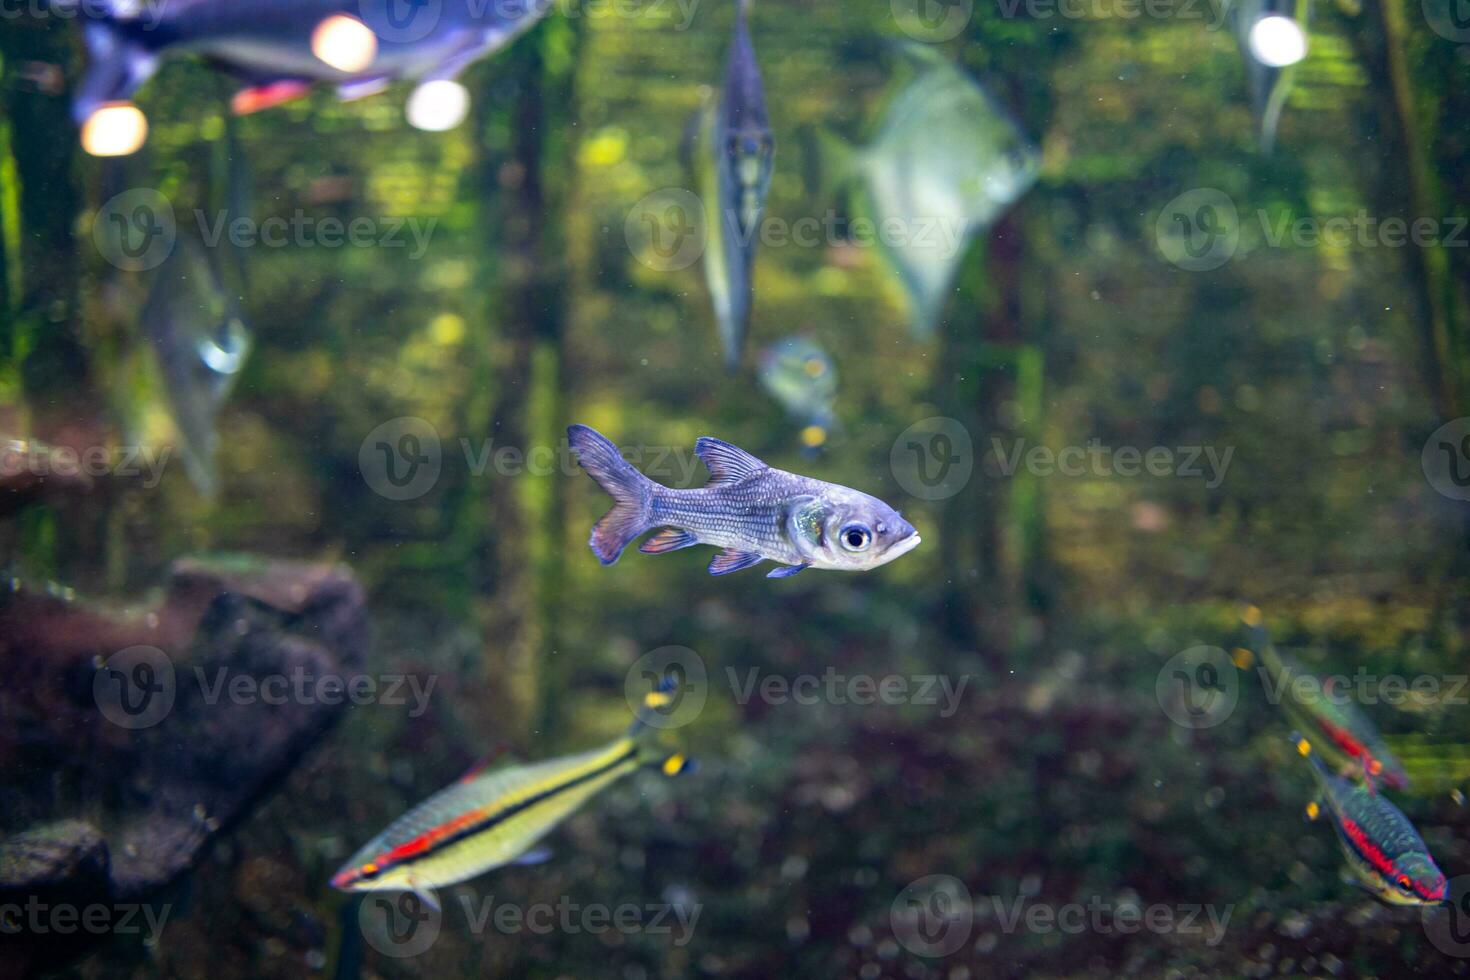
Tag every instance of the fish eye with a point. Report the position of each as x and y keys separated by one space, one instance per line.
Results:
x=856 y=537
x=369 y=871
x=1405 y=884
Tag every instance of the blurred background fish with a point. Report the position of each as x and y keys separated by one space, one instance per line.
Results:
x=200 y=345
x=799 y=375
x=947 y=163
x=733 y=158
x=280 y=48
x=1272 y=37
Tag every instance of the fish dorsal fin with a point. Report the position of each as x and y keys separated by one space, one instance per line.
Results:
x=727 y=463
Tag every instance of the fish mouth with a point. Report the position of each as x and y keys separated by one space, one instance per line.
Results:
x=905 y=546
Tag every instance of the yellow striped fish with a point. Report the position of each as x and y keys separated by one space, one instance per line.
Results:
x=493 y=818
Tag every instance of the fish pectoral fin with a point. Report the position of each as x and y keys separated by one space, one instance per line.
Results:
x=786 y=571
x=669 y=539
x=536 y=855
x=727 y=463
x=731 y=560
x=421 y=887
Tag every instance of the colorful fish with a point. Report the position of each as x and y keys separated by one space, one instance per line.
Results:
x=280 y=48
x=1384 y=852
x=798 y=373
x=751 y=511
x=733 y=170
x=494 y=817
x=1345 y=736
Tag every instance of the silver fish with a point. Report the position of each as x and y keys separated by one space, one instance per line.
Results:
x=1269 y=86
x=201 y=345
x=751 y=511
x=948 y=161
x=798 y=373
x=269 y=43
x=734 y=174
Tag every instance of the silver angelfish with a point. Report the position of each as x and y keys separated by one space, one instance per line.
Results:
x=737 y=152
x=201 y=345
x=947 y=163
x=751 y=511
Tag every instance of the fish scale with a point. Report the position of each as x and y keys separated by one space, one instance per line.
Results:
x=750 y=513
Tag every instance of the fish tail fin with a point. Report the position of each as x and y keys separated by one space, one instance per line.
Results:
x=632 y=493
x=649 y=724
x=117 y=65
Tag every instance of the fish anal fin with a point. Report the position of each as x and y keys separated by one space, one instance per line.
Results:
x=267 y=95
x=669 y=539
x=730 y=560
x=536 y=855
x=727 y=463
x=786 y=571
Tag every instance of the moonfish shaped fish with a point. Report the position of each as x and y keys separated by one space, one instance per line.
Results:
x=1384 y=852
x=201 y=345
x=733 y=169
x=1345 y=737
x=947 y=163
x=494 y=817
x=749 y=510
x=800 y=376
x=278 y=47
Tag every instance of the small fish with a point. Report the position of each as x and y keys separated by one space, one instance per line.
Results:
x=749 y=510
x=201 y=345
x=1346 y=737
x=733 y=170
x=280 y=48
x=1384 y=852
x=1268 y=84
x=947 y=163
x=493 y=817
x=798 y=373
